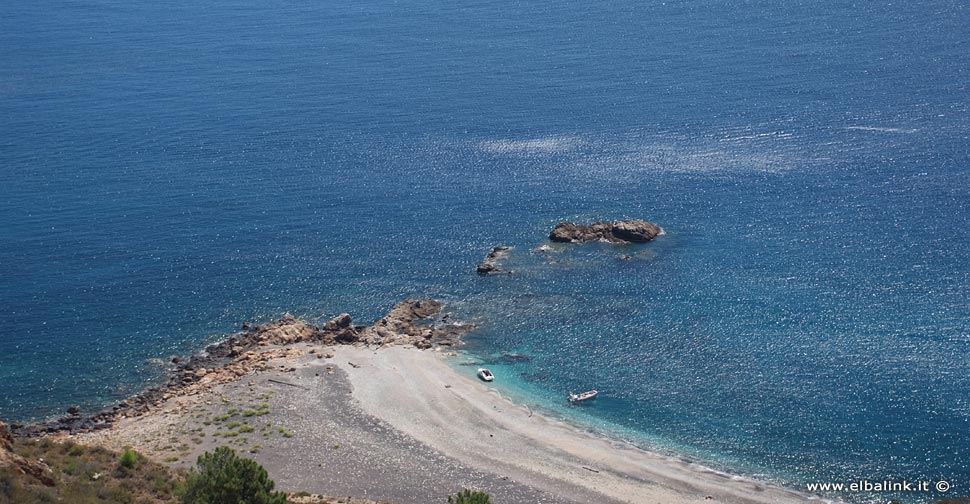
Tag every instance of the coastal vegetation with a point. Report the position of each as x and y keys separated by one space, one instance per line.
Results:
x=128 y=460
x=47 y=471
x=222 y=477
x=82 y=474
x=467 y=496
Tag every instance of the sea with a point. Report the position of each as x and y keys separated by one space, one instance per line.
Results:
x=170 y=170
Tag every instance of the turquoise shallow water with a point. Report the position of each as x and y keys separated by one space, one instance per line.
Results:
x=168 y=172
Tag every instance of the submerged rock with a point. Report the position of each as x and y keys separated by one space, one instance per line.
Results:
x=635 y=231
x=491 y=264
x=510 y=358
x=487 y=269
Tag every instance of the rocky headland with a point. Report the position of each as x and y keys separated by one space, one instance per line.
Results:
x=410 y=322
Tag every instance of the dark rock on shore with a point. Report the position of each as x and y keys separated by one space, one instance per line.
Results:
x=341 y=328
x=402 y=326
x=491 y=264
x=635 y=231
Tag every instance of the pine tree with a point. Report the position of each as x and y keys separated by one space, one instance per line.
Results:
x=224 y=478
x=467 y=496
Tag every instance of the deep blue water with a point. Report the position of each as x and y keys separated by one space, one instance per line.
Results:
x=170 y=170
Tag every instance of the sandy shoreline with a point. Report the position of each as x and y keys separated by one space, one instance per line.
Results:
x=421 y=395
x=400 y=424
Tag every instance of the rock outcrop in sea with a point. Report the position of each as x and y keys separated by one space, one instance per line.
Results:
x=408 y=323
x=492 y=263
x=628 y=231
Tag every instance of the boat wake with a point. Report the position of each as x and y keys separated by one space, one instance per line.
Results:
x=882 y=129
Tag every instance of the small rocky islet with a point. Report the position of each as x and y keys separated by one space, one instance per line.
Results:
x=619 y=232
x=492 y=263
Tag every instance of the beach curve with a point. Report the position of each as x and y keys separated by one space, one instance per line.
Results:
x=385 y=416
x=418 y=393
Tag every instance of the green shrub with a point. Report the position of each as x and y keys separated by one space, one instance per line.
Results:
x=70 y=467
x=128 y=459
x=74 y=450
x=222 y=477
x=73 y=469
x=161 y=486
x=467 y=496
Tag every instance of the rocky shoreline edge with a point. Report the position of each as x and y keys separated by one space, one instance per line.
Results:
x=415 y=322
x=248 y=350
x=399 y=425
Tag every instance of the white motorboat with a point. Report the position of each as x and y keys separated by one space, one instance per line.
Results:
x=485 y=374
x=584 y=396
